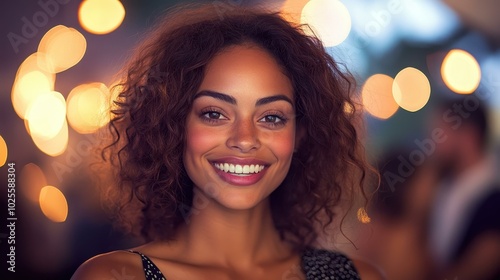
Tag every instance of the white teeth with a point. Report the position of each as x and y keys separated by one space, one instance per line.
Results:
x=239 y=169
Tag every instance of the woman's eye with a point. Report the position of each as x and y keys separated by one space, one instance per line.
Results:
x=213 y=115
x=271 y=119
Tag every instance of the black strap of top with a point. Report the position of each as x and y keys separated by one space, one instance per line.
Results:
x=151 y=271
x=325 y=264
x=316 y=264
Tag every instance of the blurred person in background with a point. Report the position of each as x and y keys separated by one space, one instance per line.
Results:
x=399 y=214
x=464 y=223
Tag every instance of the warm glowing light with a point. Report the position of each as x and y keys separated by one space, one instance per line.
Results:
x=31 y=181
x=349 y=108
x=46 y=115
x=411 y=89
x=377 y=96
x=88 y=105
x=461 y=72
x=291 y=10
x=3 y=151
x=54 y=146
x=31 y=80
x=53 y=204
x=363 y=216
x=329 y=19
x=101 y=16
x=63 y=48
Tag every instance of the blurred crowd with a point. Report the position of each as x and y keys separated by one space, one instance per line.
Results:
x=436 y=212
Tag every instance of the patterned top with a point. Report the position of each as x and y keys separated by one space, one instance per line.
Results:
x=317 y=264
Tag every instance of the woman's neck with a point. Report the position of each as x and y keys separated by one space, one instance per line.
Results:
x=233 y=238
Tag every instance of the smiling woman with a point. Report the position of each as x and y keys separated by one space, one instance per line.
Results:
x=247 y=125
x=230 y=148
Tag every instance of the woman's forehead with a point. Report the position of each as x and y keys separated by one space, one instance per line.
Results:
x=246 y=69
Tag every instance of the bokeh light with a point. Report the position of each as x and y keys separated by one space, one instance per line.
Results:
x=377 y=96
x=329 y=19
x=31 y=181
x=3 y=151
x=54 y=146
x=53 y=204
x=46 y=115
x=461 y=72
x=63 y=48
x=291 y=10
x=30 y=81
x=411 y=89
x=88 y=105
x=363 y=216
x=101 y=16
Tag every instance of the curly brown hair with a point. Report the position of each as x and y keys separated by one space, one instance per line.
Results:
x=151 y=192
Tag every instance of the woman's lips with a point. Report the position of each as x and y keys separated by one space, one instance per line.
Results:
x=240 y=172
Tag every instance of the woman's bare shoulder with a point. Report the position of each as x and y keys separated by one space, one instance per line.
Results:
x=112 y=265
x=368 y=271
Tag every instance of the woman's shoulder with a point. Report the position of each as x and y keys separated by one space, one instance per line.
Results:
x=323 y=261
x=112 y=265
x=368 y=271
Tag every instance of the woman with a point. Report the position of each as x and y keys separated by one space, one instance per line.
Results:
x=231 y=147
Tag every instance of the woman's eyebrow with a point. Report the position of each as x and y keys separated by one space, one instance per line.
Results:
x=217 y=95
x=231 y=100
x=273 y=98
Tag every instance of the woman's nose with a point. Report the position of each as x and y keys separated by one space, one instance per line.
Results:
x=243 y=137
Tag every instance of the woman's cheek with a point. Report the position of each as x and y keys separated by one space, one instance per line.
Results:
x=200 y=139
x=282 y=144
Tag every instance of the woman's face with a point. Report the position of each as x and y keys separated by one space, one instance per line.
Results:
x=241 y=128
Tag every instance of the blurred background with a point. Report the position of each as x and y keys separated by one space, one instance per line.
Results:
x=428 y=76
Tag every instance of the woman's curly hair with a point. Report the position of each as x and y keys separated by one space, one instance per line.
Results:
x=151 y=192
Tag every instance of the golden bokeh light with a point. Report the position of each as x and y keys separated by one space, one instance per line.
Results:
x=363 y=216
x=35 y=62
x=461 y=72
x=31 y=181
x=27 y=126
x=53 y=204
x=88 y=105
x=62 y=47
x=101 y=16
x=30 y=81
x=54 y=146
x=291 y=10
x=377 y=96
x=411 y=89
x=3 y=151
x=46 y=115
x=329 y=19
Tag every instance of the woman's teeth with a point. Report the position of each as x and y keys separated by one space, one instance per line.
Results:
x=239 y=169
